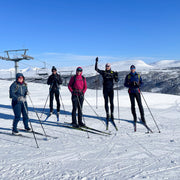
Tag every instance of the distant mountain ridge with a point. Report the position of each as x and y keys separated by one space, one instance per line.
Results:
x=162 y=76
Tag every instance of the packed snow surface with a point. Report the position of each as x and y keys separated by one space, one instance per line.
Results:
x=69 y=154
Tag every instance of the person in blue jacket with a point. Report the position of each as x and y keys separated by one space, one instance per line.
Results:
x=134 y=81
x=18 y=92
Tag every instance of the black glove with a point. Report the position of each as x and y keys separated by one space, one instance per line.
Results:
x=97 y=59
x=81 y=94
x=136 y=84
x=116 y=77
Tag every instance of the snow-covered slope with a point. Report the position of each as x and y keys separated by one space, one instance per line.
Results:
x=123 y=155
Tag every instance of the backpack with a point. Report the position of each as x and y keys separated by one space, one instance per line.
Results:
x=75 y=80
x=129 y=77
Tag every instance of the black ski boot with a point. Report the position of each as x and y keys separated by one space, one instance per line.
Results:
x=15 y=132
x=28 y=129
x=82 y=124
x=75 y=125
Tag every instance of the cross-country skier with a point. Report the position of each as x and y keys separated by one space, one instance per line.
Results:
x=77 y=86
x=54 y=81
x=134 y=81
x=108 y=83
x=18 y=92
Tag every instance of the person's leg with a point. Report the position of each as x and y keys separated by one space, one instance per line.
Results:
x=75 y=105
x=57 y=100
x=25 y=114
x=80 y=106
x=133 y=110
x=51 y=100
x=17 y=115
x=105 y=93
x=138 y=99
x=111 y=98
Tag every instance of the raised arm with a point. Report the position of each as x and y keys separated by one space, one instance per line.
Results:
x=96 y=67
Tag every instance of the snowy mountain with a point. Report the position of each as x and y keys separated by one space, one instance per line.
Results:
x=166 y=64
x=70 y=155
x=161 y=77
x=87 y=70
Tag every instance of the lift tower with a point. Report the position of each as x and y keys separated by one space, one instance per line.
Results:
x=16 y=60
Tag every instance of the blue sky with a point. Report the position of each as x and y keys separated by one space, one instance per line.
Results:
x=73 y=32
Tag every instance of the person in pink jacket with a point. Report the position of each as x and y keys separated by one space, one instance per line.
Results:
x=77 y=86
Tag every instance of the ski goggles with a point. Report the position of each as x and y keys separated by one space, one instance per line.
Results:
x=79 y=69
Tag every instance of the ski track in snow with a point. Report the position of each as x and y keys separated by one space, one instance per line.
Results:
x=123 y=155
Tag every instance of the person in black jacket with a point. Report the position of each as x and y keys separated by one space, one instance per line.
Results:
x=108 y=82
x=54 y=81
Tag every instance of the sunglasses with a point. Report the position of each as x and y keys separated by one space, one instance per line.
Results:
x=107 y=66
x=80 y=70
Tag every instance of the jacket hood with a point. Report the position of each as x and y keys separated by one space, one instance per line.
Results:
x=79 y=68
x=18 y=75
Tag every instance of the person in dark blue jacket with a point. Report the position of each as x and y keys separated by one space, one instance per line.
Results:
x=18 y=92
x=134 y=81
x=54 y=81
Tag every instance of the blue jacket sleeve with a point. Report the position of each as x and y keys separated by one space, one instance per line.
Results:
x=12 y=92
x=126 y=82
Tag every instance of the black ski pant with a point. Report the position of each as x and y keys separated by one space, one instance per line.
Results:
x=108 y=96
x=136 y=96
x=56 y=93
x=77 y=102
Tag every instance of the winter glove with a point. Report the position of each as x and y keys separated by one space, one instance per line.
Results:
x=97 y=59
x=116 y=76
x=136 y=84
x=22 y=99
x=81 y=94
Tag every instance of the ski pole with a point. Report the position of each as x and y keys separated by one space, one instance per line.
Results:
x=97 y=92
x=37 y=116
x=62 y=103
x=118 y=104
x=31 y=125
x=150 y=112
x=93 y=110
x=82 y=113
x=44 y=106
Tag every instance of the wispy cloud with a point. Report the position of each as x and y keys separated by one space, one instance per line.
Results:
x=63 y=59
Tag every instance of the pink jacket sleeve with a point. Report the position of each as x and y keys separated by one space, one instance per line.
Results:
x=85 y=86
x=70 y=84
